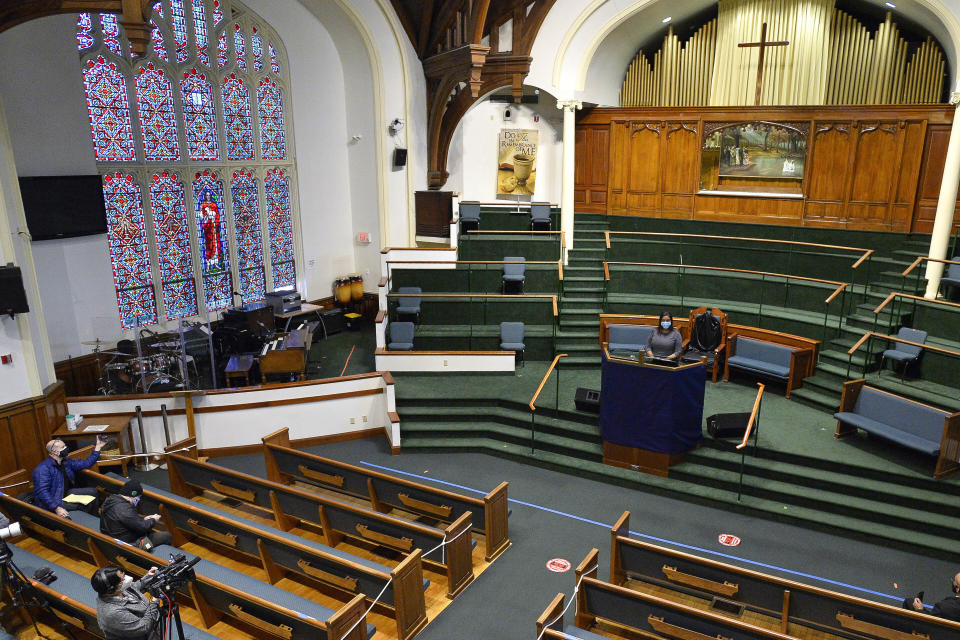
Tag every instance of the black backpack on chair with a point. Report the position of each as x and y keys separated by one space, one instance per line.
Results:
x=705 y=334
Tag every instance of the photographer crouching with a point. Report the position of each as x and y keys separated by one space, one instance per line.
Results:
x=123 y=612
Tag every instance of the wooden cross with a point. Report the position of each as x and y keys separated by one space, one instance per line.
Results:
x=763 y=44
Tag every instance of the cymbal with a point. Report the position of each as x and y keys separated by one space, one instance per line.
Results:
x=112 y=353
x=98 y=341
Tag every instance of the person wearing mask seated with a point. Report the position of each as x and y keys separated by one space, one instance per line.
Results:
x=119 y=519
x=122 y=610
x=56 y=477
x=948 y=608
x=665 y=343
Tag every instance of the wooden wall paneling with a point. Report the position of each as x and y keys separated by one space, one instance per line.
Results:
x=931 y=172
x=643 y=178
x=827 y=172
x=874 y=169
x=26 y=425
x=8 y=463
x=908 y=162
x=590 y=170
x=618 y=164
x=681 y=168
x=27 y=446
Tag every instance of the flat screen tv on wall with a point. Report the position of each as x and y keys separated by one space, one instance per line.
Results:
x=63 y=206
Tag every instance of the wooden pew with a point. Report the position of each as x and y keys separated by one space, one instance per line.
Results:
x=279 y=556
x=287 y=465
x=213 y=599
x=633 y=613
x=794 y=603
x=338 y=520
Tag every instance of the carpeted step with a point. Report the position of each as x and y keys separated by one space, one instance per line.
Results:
x=580 y=281
x=924 y=391
x=515 y=435
x=545 y=418
x=588 y=312
x=579 y=362
x=823 y=383
x=708 y=493
x=570 y=304
x=816 y=398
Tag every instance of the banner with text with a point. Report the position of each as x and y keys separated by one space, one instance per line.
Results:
x=516 y=162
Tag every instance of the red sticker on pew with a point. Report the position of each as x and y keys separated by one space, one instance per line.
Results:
x=728 y=540
x=558 y=565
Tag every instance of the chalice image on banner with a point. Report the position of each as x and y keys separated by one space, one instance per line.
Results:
x=522 y=164
x=517 y=162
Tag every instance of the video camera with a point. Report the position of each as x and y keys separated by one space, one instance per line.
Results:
x=171 y=577
x=7 y=530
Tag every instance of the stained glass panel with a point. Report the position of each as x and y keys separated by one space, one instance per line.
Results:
x=200 y=31
x=158 y=122
x=199 y=116
x=156 y=36
x=127 y=243
x=173 y=245
x=84 y=31
x=273 y=144
x=249 y=236
x=178 y=20
x=106 y=90
x=240 y=46
x=212 y=237
x=217 y=12
x=274 y=64
x=111 y=32
x=257 y=44
x=222 y=49
x=280 y=229
x=236 y=115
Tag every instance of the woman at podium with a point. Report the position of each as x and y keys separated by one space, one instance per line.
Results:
x=665 y=342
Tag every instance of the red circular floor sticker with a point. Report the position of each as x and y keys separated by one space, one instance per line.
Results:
x=729 y=540
x=558 y=565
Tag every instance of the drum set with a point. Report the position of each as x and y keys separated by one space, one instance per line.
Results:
x=144 y=368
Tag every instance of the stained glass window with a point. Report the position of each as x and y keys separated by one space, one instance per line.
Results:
x=217 y=12
x=273 y=144
x=84 y=31
x=236 y=116
x=159 y=48
x=222 y=49
x=111 y=32
x=280 y=229
x=249 y=236
x=173 y=246
x=199 y=117
x=200 y=31
x=158 y=123
x=179 y=23
x=212 y=238
x=127 y=244
x=257 y=44
x=106 y=90
x=241 y=48
x=274 y=64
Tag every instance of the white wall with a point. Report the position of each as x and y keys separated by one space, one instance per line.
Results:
x=473 y=164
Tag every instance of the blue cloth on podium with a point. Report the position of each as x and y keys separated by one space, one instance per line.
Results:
x=653 y=408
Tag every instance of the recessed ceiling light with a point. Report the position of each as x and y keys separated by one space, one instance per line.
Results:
x=891 y=5
x=669 y=18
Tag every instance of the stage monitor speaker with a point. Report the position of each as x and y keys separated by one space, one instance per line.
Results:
x=399 y=157
x=587 y=400
x=333 y=320
x=727 y=425
x=13 y=297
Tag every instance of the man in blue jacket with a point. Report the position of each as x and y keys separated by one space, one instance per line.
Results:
x=56 y=477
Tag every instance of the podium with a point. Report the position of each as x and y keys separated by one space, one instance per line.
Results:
x=650 y=415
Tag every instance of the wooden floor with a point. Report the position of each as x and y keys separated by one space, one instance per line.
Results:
x=435 y=595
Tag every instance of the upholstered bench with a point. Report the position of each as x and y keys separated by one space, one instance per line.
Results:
x=628 y=337
x=77 y=587
x=767 y=359
x=910 y=424
x=573 y=632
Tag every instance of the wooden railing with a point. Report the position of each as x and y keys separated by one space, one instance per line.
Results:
x=753 y=417
x=523 y=296
x=915 y=263
x=910 y=296
x=536 y=394
x=883 y=336
x=865 y=253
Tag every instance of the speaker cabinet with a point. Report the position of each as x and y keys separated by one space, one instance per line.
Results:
x=13 y=297
x=399 y=157
x=587 y=400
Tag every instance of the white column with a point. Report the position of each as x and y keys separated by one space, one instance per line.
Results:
x=946 y=205
x=566 y=188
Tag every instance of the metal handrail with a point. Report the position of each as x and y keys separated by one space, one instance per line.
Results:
x=536 y=394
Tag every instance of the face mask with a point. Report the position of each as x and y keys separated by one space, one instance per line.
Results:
x=136 y=501
x=665 y=324
x=127 y=581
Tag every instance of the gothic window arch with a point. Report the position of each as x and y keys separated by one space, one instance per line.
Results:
x=193 y=143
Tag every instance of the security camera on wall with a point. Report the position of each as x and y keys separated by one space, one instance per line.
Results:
x=508 y=114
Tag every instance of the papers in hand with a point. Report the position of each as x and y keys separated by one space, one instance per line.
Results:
x=78 y=498
x=96 y=428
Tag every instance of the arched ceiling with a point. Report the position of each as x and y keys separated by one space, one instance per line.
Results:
x=605 y=72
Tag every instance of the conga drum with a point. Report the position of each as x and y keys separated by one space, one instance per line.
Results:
x=356 y=287
x=342 y=290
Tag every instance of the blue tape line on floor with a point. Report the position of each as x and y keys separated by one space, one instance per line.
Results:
x=648 y=537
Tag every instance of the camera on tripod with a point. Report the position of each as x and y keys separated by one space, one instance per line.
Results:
x=171 y=577
x=7 y=530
